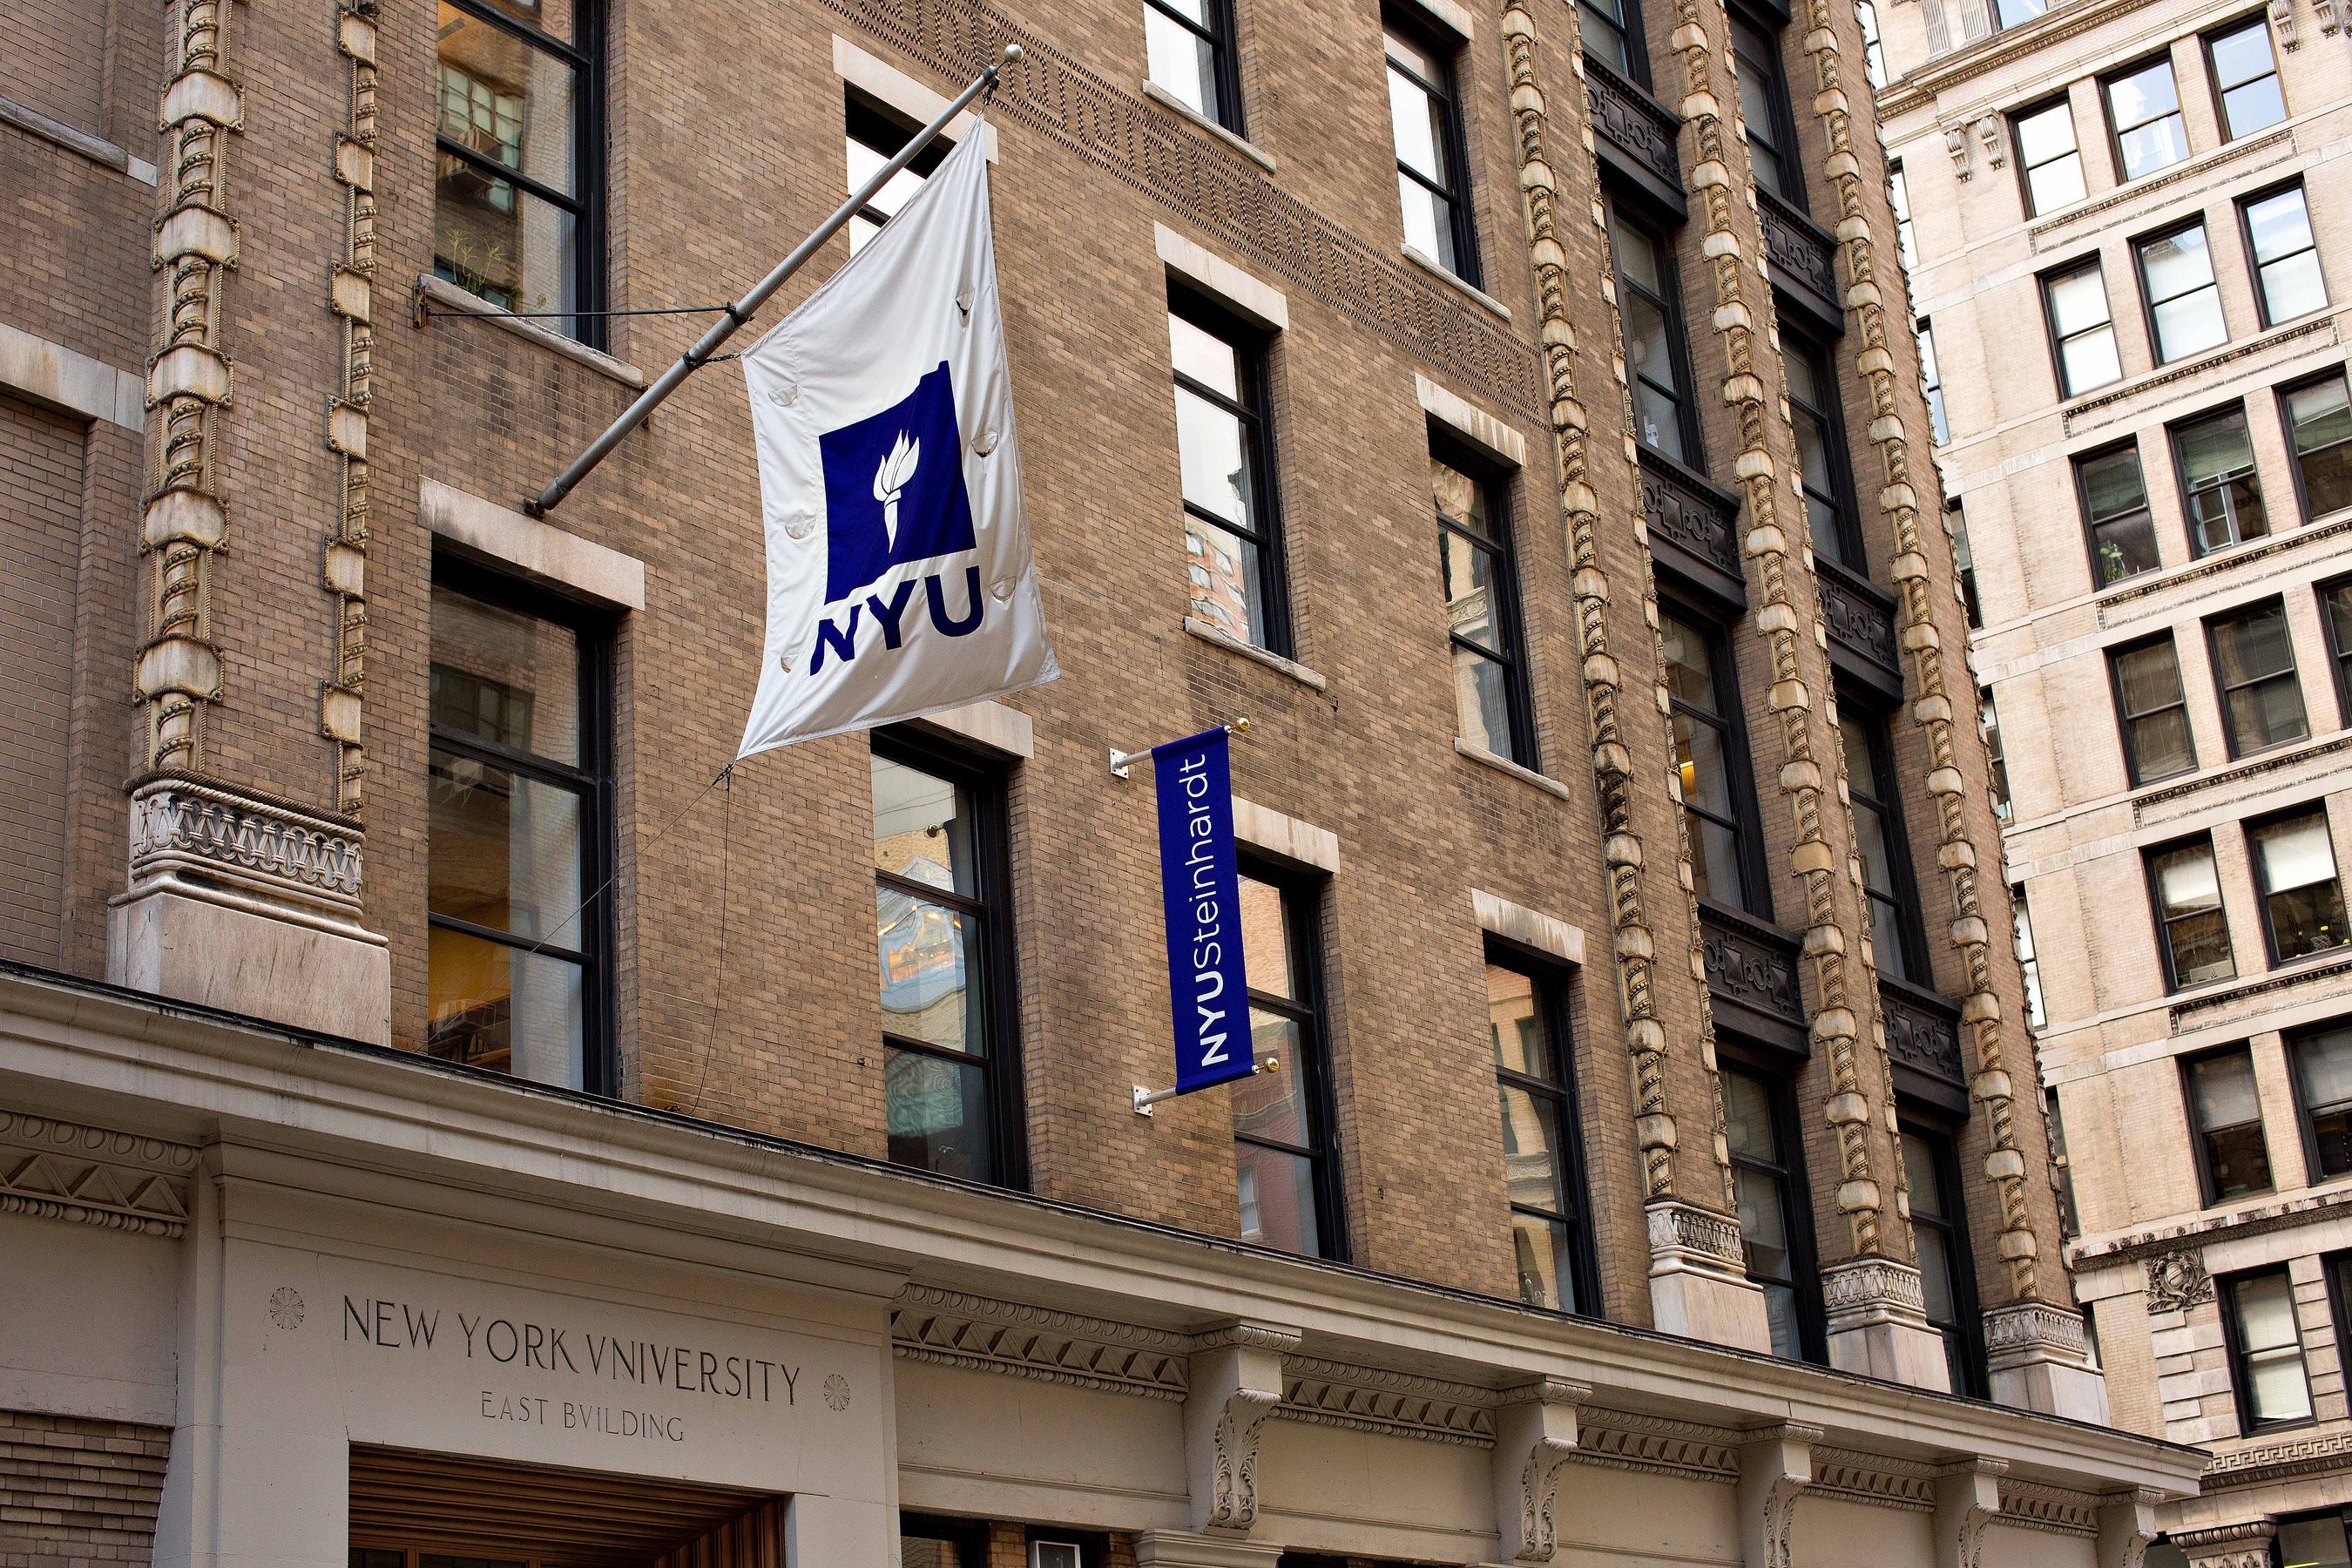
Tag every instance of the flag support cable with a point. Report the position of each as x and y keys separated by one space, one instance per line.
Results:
x=743 y=309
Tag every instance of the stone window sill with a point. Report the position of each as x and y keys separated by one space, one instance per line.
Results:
x=1481 y=755
x=449 y=297
x=1275 y=662
x=1437 y=269
x=1193 y=117
x=97 y=148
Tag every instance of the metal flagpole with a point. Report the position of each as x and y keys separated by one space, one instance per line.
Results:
x=743 y=309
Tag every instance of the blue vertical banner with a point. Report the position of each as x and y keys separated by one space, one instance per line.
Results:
x=1200 y=885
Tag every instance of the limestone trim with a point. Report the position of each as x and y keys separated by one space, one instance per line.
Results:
x=73 y=139
x=2228 y=776
x=1242 y=1417
x=1219 y=638
x=2054 y=1510
x=1623 y=1439
x=1680 y=1230
x=1775 y=1469
x=2034 y=1326
x=536 y=549
x=976 y=1333
x=1498 y=916
x=2323 y=1454
x=184 y=828
x=1153 y=92
x=2181 y=1015
x=2246 y=1545
x=1220 y=279
x=2077 y=415
x=1270 y=832
x=2195 y=1234
x=350 y=299
x=52 y=373
x=1183 y=1549
x=1968 y=1500
x=1470 y=422
x=1919 y=87
x=430 y=291
x=1504 y=766
x=81 y=1174
x=1537 y=1433
x=1615 y=780
x=1395 y=1404
x=886 y=83
x=177 y=672
x=2220 y=563
x=1870 y=1289
x=1876 y=1478
x=2046 y=235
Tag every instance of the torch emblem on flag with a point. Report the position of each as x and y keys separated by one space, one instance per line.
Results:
x=890 y=479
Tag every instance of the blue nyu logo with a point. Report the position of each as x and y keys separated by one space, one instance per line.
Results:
x=894 y=493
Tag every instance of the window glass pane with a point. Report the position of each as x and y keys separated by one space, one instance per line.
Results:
x=1763 y=1226
x=556 y=18
x=2272 y=1348
x=864 y=160
x=2149 y=678
x=1273 y=1105
x=2223 y=1089
x=1213 y=448
x=504 y=851
x=928 y=991
x=2225 y=498
x=1700 y=753
x=2189 y=897
x=2078 y=301
x=1515 y=1024
x=1636 y=255
x=1753 y=71
x=1541 y=1247
x=2181 y=294
x=2302 y=902
x=2314 y=1543
x=1417 y=118
x=2278 y=226
x=2247 y=75
x=1531 y=1144
x=1265 y=941
x=1482 y=692
x=2320 y=424
x=2294 y=853
x=1690 y=663
x=938 y=1114
x=1182 y=61
x=2323 y=1064
x=504 y=1008
x=1278 y=1198
x=1747 y=1119
x=1936 y=1275
x=504 y=98
x=1921 y=1168
x=2091 y=360
x=2185 y=881
x=1601 y=30
x=1781 y=1317
x=506 y=678
x=1428 y=221
x=2112 y=483
x=2146 y=111
x=1461 y=499
x=1470 y=608
x=1200 y=355
x=1222 y=568
x=2045 y=143
x=921 y=830
x=2257 y=669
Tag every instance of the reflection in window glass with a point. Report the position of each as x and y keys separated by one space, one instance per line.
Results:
x=871 y=140
x=1607 y=35
x=1764 y=109
x=2115 y=511
x=1878 y=842
x=2255 y=663
x=1541 y=1173
x=2224 y=495
x=2195 y=937
x=2246 y=76
x=2319 y=428
x=1706 y=754
x=1482 y=619
x=2080 y=320
x=1650 y=307
x=2323 y=1079
x=1931 y=383
x=2303 y=904
x=2143 y=108
x=1280 y=1142
x=2154 y=711
x=2184 y=302
x=1431 y=185
x=2047 y=152
x=1184 y=43
x=2272 y=1385
x=1769 y=1221
x=2286 y=258
x=1219 y=442
x=2227 y=1114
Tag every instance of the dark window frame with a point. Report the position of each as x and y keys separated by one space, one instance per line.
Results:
x=1964 y=1340
x=1831 y=420
x=1495 y=483
x=1796 y=1197
x=1624 y=215
x=1637 y=48
x=2149 y=856
x=1755 y=870
x=2286 y=428
x=2106 y=80
x=988 y=788
x=586 y=60
x=2254 y=264
x=2223 y=690
x=1253 y=356
x=2296 y=1038
x=2077 y=462
x=2093 y=263
x=2339 y=650
x=1223 y=38
x=2225 y=1295
x=1550 y=983
x=2209 y=1186
x=1447 y=51
x=2138 y=243
x=2125 y=717
x=2173 y=431
x=879 y=128
x=2205 y=41
x=593 y=780
x=2016 y=118
x=1781 y=134
x=1910 y=919
x=2316 y=805
x=1305 y=921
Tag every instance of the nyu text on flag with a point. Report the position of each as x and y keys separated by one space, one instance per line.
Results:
x=899 y=579
x=1200 y=886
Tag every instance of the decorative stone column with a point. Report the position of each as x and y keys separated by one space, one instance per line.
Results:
x=1234 y=1384
x=2246 y=1545
x=2127 y=1526
x=1698 y=1278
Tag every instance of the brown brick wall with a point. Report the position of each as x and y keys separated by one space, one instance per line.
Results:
x=40 y=535
x=52 y=58
x=76 y=1493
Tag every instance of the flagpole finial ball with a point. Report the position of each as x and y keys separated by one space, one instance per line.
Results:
x=1239 y=726
x=1012 y=53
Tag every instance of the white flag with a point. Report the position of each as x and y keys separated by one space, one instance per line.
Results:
x=899 y=580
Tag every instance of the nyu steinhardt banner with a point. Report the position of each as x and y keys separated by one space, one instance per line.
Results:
x=899 y=580
x=1201 y=888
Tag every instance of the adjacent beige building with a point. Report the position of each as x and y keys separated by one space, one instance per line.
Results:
x=2131 y=244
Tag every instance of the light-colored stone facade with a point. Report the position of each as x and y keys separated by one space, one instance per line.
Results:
x=232 y=1140
x=2154 y=1234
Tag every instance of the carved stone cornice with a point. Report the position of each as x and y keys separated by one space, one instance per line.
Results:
x=983 y=1335
x=1623 y=1439
x=1233 y=1503
x=2322 y=1454
x=1752 y=965
x=1870 y=1289
x=2077 y=415
x=201 y=833
x=2292 y=979
x=2246 y=1545
x=91 y=1176
x=1395 y=1404
x=2052 y=1508
x=1697 y=1235
x=1876 y=1478
x=2205 y=1229
x=1243 y=1336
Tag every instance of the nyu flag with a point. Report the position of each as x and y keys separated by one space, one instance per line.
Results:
x=1201 y=888
x=899 y=580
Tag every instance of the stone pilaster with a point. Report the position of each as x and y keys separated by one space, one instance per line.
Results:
x=350 y=295
x=1775 y=1468
x=1968 y=1500
x=1878 y=1323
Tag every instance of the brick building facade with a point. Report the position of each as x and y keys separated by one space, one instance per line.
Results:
x=2155 y=510
x=1545 y=490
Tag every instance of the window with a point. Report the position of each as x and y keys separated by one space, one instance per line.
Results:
x=1988 y=726
x=872 y=139
x=1282 y=1140
x=517 y=214
x=2144 y=115
x=1656 y=352
x=2227 y=1115
x=1432 y=174
x=931 y=1543
x=2020 y=921
x=2314 y=1541
x=1610 y=31
x=2153 y=710
x=2223 y=494
x=2194 y=935
x=2115 y=514
x=2323 y=1083
x=1231 y=549
x=2295 y=868
x=2084 y=328
x=1188 y=48
x=519 y=787
x=1764 y=106
x=1946 y=1269
x=1711 y=755
x=1821 y=451
x=945 y=963
x=2245 y=75
x=2336 y=609
x=1931 y=384
x=2017 y=13
x=2048 y=160
x=2253 y=664
x=1543 y=1165
x=2319 y=427
x=1874 y=49
x=1769 y=1173
x=1482 y=614
x=2287 y=283
x=1906 y=243
x=2184 y=302
x=1964 y=562
x=2070 y=1218
x=1892 y=901
x=2265 y=1350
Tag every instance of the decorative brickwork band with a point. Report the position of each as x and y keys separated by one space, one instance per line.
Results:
x=1931 y=708
x=350 y=296
x=1613 y=768
x=189 y=380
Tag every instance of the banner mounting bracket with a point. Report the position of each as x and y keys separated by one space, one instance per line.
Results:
x=1145 y=1098
x=1122 y=761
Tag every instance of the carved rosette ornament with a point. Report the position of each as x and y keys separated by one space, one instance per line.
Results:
x=350 y=298
x=185 y=522
x=2177 y=1282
